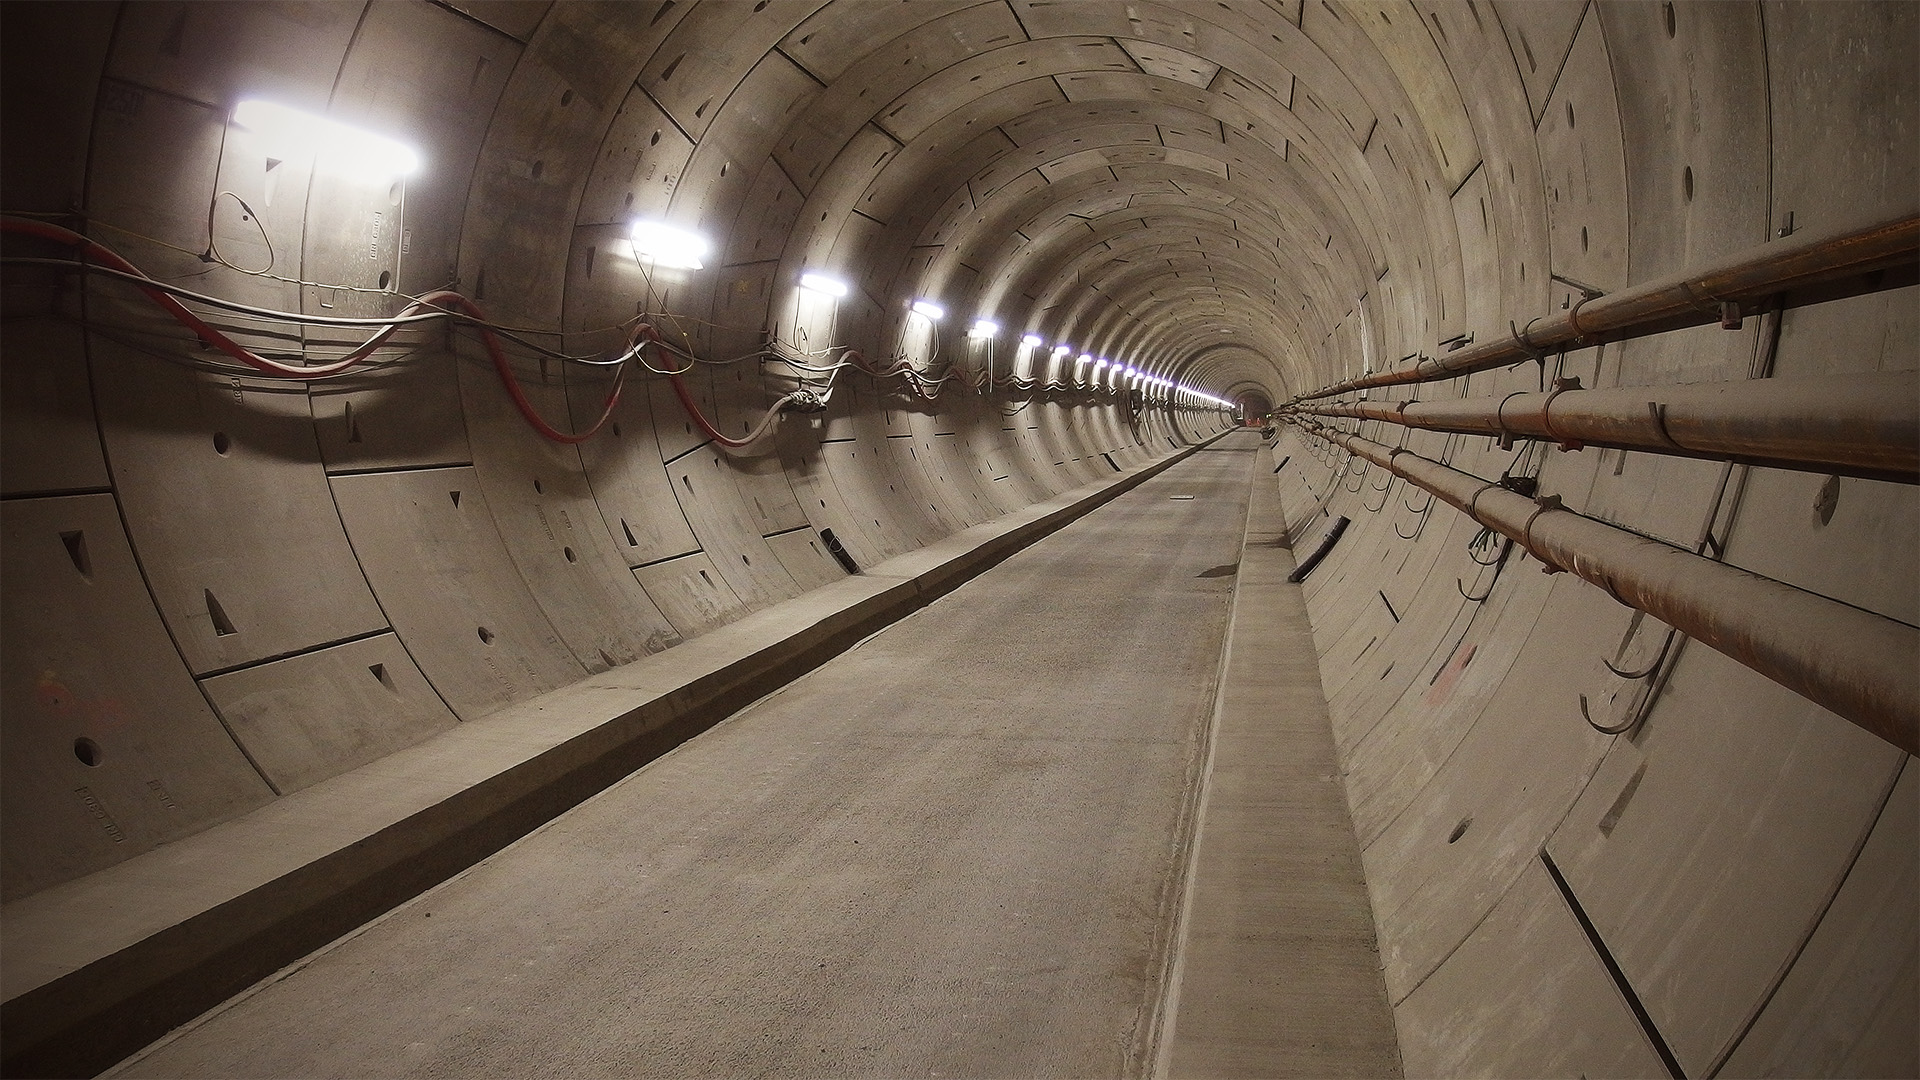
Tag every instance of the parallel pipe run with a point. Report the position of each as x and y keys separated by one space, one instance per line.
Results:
x=1841 y=262
x=1850 y=425
x=1862 y=666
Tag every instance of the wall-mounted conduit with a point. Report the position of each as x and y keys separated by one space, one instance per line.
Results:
x=1851 y=425
x=1863 y=666
x=1807 y=267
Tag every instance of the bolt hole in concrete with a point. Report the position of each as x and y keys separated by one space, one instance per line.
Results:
x=568 y=552
x=537 y=489
x=486 y=636
x=87 y=751
x=221 y=444
x=386 y=279
x=1460 y=830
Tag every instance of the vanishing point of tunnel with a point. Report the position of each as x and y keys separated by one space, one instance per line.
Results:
x=969 y=538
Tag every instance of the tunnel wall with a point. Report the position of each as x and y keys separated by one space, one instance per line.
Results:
x=1744 y=858
x=233 y=587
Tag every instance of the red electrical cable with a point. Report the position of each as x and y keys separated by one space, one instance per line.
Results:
x=519 y=396
x=443 y=302
x=693 y=410
x=440 y=301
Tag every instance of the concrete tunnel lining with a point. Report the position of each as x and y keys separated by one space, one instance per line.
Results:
x=1255 y=200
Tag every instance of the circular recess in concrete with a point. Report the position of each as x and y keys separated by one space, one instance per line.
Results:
x=87 y=751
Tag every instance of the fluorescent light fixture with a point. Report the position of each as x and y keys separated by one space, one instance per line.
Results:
x=1031 y=341
x=336 y=147
x=821 y=283
x=984 y=328
x=665 y=245
x=931 y=310
x=1097 y=364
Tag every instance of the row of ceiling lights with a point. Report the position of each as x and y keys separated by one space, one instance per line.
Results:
x=369 y=156
x=667 y=246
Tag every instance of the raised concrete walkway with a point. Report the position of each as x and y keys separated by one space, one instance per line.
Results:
x=1278 y=970
x=94 y=969
x=965 y=848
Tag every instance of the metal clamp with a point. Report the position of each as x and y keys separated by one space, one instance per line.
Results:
x=1573 y=316
x=1542 y=504
x=1499 y=419
x=1560 y=386
x=1658 y=413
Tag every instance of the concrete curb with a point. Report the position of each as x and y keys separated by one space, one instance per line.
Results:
x=99 y=967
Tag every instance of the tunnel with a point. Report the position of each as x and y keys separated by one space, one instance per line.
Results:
x=960 y=537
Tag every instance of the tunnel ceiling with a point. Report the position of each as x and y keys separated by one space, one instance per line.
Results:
x=1204 y=190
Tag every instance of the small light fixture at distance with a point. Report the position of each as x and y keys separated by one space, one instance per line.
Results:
x=933 y=312
x=336 y=147
x=984 y=328
x=665 y=245
x=1031 y=341
x=821 y=283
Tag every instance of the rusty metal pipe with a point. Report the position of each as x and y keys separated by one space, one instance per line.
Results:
x=1862 y=666
x=1830 y=264
x=1850 y=425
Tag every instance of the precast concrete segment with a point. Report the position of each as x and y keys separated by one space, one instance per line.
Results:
x=953 y=850
x=1277 y=971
